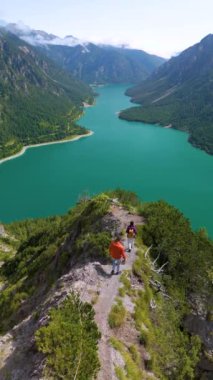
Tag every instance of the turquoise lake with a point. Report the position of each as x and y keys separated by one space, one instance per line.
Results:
x=154 y=162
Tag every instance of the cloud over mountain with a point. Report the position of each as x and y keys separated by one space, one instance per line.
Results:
x=38 y=37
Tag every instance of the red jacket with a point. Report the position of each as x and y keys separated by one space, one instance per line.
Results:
x=117 y=250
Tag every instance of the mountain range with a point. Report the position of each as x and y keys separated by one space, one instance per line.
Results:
x=104 y=64
x=180 y=94
x=42 y=90
x=89 y=62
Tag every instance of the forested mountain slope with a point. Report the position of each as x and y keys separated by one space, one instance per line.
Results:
x=39 y=102
x=104 y=64
x=57 y=275
x=180 y=93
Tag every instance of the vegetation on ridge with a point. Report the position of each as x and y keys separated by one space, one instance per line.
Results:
x=73 y=327
x=46 y=247
x=188 y=254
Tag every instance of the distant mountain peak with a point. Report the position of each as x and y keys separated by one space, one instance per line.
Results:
x=207 y=40
x=208 y=37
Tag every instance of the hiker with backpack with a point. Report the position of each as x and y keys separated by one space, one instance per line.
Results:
x=117 y=252
x=131 y=233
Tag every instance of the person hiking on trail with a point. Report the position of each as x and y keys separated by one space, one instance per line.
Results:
x=131 y=233
x=117 y=252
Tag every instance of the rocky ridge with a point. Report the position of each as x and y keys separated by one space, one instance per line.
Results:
x=93 y=282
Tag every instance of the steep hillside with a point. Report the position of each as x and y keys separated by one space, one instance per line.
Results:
x=180 y=93
x=39 y=102
x=92 y=63
x=58 y=299
x=104 y=64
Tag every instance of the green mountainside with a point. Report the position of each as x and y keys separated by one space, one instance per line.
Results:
x=39 y=102
x=168 y=283
x=104 y=64
x=180 y=93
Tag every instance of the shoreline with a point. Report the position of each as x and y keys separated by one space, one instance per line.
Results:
x=87 y=105
x=23 y=150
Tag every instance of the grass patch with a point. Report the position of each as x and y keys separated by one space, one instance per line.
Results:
x=122 y=291
x=120 y=373
x=117 y=315
x=131 y=358
x=124 y=279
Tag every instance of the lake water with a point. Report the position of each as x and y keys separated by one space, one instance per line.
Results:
x=154 y=162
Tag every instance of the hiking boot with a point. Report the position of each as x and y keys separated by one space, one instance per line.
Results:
x=118 y=272
x=112 y=272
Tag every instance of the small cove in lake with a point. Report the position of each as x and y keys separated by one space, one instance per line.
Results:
x=155 y=162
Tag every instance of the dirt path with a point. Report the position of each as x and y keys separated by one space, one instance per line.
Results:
x=108 y=292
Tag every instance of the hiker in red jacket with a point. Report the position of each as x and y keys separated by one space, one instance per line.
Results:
x=131 y=233
x=117 y=252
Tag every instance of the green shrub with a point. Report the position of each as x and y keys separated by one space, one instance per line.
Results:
x=95 y=245
x=70 y=341
x=188 y=255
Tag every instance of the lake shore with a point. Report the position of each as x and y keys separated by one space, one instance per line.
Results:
x=87 y=105
x=23 y=150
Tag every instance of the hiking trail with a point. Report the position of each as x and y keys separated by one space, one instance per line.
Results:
x=108 y=293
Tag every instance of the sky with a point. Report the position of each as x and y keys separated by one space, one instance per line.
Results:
x=161 y=27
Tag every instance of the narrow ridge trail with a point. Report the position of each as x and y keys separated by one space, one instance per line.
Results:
x=108 y=292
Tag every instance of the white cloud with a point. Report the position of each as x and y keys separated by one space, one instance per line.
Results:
x=67 y=41
x=22 y=27
x=37 y=37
